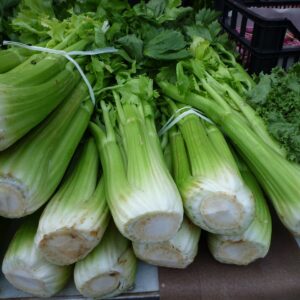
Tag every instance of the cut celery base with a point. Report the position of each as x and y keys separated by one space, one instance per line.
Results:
x=12 y=198
x=100 y=285
x=53 y=245
x=178 y=252
x=162 y=254
x=154 y=226
x=220 y=212
x=26 y=281
x=238 y=252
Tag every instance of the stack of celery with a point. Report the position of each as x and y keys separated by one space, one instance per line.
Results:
x=169 y=148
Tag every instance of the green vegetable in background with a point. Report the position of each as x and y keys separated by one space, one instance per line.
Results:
x=276 y=98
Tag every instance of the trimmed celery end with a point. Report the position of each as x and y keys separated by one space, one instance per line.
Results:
x=109 y=269
x=26 y=269
x=214 y=194
x=178 y=252
x=254 y=243
x=31 y=170
x=76 y=217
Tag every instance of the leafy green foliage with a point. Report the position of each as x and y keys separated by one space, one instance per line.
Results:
x=167 y=45
x=206 y=25
x=160 y=11
x=276 y=98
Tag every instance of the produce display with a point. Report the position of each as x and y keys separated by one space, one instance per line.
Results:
x=146 y=135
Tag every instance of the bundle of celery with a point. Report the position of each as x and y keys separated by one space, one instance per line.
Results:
x=26 y=269
x=109 y=269
x=211 y=88
x=141 y=194
x=36 y=86
x=214 y=194
x=31 y=170
x=76 y=217
x=255 y=242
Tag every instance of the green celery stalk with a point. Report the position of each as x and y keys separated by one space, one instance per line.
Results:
x=278 y=177
x=26 y=269
x=31 y=170
x=10 y=58
x=76 y=217
x=26 y=100
x=214 y=194
x=255 y=242
x=142 y=196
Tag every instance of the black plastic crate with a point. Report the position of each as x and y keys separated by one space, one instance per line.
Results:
x=262 y=42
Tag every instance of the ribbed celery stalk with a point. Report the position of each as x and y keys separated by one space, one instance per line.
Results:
x=279 y=178
x=255 y=242
x=76 y=217
x=142 y=196
x=31 y=170
x=10 y=58
x=41 y=67
x=229 y=82
x=31 y=91
x=214 y=194
x=109 y=269
x=26 y=269
x=178 y=252
x=255 y=122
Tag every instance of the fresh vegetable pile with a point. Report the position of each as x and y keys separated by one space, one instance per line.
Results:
x=132 y=152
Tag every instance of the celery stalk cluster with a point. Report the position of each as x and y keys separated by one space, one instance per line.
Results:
x=142 y=196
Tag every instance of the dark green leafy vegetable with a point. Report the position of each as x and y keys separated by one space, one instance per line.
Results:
x=276 y=98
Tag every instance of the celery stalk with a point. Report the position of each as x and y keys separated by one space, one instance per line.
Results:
x=109 y=269
x=10 y=58
x=279 y=178
x=214 y=194
x=31 y=170
x=178 y=252
x=142 y=196
x=255 y=242
x=28 y=98
x=76 y=217
x=26 y=269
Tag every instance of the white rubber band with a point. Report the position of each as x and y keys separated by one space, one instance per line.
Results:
x=68 y=55
x=174 y=120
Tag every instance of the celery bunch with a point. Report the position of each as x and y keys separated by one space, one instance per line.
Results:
x=141 y=194
x=31 y=170
x=221 y=98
